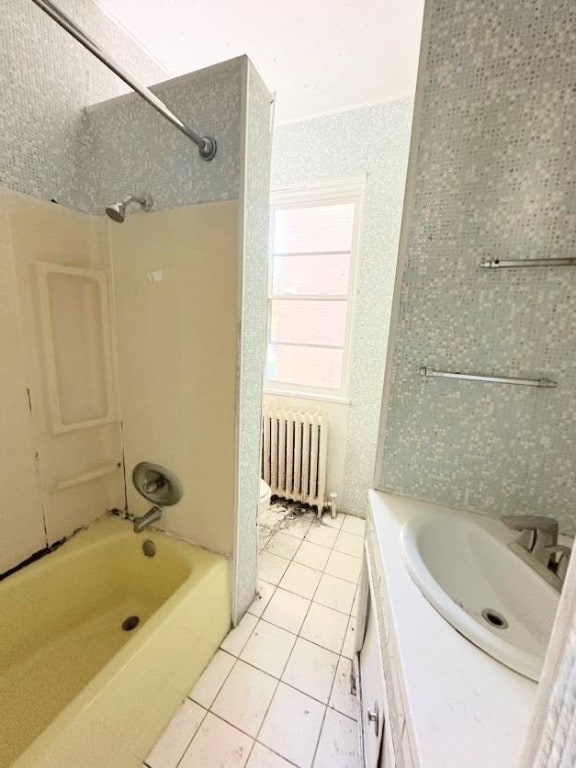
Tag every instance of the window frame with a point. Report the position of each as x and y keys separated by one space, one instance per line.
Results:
x=308 y=195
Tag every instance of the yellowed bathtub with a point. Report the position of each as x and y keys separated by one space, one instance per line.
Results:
x=77 y=690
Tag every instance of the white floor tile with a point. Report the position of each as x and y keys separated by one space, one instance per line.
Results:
x=262 y=757
x=312 y=555
x=342 y=698
x=264 y=536
x=263 y=594
x=244 y=698
x=333 y=523
x=300 y=579
x=236 y=639
x=296 y=526
x=173 y=742
x=292 y=725
x=355 y=525
x=355 y=603
x=325 y=627
x=349 y=639
x=335 y=593
x=217 y=745
x=206 y=689
x=322 y=534
x=271 y=517
x=268 y=648
x=344 y=566
x=271 y=568
x=286 y=610
x=311 y=669
x=349 y=543
x=339 y=745
x=283 y=545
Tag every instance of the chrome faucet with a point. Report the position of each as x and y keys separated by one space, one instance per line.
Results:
x=153 y=514
x=558 y=559
x=538 y=533
x=538 y=546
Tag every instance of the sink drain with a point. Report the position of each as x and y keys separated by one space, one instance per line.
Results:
x=130 y=623
x=494 y=618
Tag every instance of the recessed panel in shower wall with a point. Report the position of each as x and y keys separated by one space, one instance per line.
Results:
x=75 y=320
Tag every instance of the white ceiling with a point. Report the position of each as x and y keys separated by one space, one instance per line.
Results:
x=319 y=56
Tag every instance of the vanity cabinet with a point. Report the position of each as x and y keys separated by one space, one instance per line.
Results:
x=373 y=696
x=385 y=738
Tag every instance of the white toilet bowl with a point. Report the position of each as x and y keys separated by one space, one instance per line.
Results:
x=265 y=495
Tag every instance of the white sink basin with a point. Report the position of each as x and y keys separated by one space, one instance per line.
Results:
x=462 y=564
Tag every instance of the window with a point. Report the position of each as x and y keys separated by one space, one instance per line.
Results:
x=311 y=286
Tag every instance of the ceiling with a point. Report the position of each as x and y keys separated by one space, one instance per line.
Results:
x=319 y=56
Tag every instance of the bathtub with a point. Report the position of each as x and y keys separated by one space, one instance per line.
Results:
x=77 y=690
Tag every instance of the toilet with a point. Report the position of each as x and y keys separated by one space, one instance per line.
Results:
x=265 y=495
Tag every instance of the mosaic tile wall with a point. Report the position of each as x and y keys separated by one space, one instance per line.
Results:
x=493 y=175
x=130 y=147
x=46 y=78
x=320 y=149
x=255 y=196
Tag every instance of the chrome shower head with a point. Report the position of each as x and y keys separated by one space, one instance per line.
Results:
x=117 y=211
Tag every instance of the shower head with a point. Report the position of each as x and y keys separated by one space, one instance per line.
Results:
x=117 y=211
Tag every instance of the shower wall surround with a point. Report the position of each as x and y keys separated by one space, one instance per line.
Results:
x=491 y=175
x=46 y=80
x=61 y=446
x=176 y=286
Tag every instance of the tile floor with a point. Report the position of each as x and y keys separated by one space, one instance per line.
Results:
x=278 y=692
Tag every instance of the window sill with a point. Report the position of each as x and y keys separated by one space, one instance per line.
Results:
x=322 y=397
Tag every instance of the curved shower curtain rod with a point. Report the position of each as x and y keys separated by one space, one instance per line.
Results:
x=205 y=144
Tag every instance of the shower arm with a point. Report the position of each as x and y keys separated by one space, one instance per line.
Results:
x=205 y=144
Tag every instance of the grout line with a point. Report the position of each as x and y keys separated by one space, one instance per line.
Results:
x=279 y=679
x=318 y=570
x=194 y=734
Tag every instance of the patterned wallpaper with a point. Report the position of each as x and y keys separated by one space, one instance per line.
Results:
x=493 y=175
x=320 y=149
x=255 y=197
x=130 y=147
x=46 y=79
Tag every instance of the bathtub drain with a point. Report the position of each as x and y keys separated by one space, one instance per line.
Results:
x=130 y=623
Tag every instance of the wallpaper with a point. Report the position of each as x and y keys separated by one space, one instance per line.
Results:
x=323 y=148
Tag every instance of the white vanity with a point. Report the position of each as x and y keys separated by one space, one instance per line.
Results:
x=430 y=698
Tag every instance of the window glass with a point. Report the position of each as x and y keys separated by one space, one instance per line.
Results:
x=309 y=322
x=314 y=230
x=308 y=366
x=309 y=298
x=311 y=275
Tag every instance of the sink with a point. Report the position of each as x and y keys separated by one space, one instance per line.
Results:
x=464 y=567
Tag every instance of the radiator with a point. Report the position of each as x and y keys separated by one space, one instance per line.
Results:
x=294 y=452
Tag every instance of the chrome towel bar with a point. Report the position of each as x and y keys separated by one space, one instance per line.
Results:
x=507 y=263
x=546 y=383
